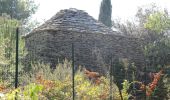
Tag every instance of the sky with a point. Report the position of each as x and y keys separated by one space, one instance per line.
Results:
x=121 y=9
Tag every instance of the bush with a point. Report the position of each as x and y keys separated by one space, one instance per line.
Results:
x=57 y=83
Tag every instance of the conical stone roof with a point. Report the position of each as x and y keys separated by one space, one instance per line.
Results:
x=74 y=20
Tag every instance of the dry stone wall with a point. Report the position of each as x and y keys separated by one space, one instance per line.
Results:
x=94 y=51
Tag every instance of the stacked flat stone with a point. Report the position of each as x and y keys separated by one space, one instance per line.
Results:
x=95 y=44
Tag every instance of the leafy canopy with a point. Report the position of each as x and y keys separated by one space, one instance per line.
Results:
x=158 y=22
x=18 y=9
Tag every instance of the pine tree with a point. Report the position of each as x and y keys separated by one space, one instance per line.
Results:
x=105 y=13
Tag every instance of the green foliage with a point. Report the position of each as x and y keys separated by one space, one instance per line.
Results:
x=158 y=22
x=7 y=36
x=18 y=9
x=8 y=47
x=32 y=91
x=126 y=85
x=106 y=13
x=29 y=92
x=7 y=43
x=85 y=89
x=12 y=95
x=58 y=83
x=152 y=25
x=157 y=51
x=62 y=91
x=60 y=73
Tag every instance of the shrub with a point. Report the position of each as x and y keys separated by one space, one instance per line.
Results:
x=57 y=83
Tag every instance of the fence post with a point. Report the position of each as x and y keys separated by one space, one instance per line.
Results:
x=111 y=70
x=73 y=71
x=17 y=53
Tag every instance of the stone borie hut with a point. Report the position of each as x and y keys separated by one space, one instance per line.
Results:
x=94 y=43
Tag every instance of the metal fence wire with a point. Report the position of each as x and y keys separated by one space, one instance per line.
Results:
x=9 y=61
x=10 y=44
x=9 y=55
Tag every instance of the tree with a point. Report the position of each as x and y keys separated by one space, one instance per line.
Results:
x=106 y=13
x=8 y=39
x=141 y=26
x=152 y=25
x=158 y=50
x=127 y=28
x=29 y=26
x=158 y=22
x=18 y=9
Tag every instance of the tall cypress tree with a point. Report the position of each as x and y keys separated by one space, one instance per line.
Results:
x=106 y=13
